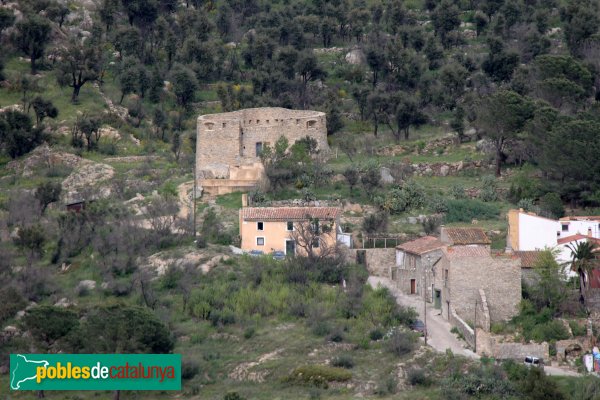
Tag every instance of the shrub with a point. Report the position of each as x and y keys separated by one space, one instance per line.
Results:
x=249 y=332
x=467 y=210
x=401 y=343
x=11 y=302
x=551 y=205
x=376 y=334
x=375 y=222
x=233 y=396
x=577 y=329
x=458 y=192
x=437 y=204
x=488 y=189
x=417 y=377
x=189 y=369
x=343 y=361
x=431 y=223
x=336 y=335
x=388 y=385
x=318 y=375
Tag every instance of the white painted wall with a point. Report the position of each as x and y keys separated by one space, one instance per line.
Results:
x=579 y=227
x=563 y=256
x=537 y=233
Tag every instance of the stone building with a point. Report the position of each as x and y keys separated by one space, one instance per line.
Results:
x=229 y=145
x=470 y=276
x=415 y=261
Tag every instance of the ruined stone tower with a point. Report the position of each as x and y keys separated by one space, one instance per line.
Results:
x=228 y=145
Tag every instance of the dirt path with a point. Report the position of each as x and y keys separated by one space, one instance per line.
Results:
x=440 y=337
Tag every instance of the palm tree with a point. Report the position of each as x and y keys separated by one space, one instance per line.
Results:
x=583 y=261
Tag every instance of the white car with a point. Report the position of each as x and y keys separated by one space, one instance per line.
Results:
x=531 y=361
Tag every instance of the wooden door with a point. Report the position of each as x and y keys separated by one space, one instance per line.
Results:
x=413 y=286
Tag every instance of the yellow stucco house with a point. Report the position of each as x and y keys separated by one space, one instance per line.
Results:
x=293 y=230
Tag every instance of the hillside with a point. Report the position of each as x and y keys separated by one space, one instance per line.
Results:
x=438 y=113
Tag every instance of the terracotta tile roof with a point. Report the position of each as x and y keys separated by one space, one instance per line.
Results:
x=467 y=236
x=467 y=251
x=288 y=213
x=528 y=258
x=572 y=238
x=421 y=245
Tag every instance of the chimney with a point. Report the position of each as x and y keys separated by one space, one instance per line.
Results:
x=244 y=200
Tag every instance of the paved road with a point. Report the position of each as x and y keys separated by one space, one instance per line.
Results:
x=440 y=337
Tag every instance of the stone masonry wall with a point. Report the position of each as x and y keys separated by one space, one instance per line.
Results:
x=494 y=346
x=462 y=327
x=499 y=277
x=380 y=261
x=229 y=140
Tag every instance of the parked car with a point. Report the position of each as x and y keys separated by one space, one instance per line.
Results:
x=278 y=255
x=531 y=361
x=256 y=253
x=418 y=326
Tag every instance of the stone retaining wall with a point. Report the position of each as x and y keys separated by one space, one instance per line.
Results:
x=462 y=327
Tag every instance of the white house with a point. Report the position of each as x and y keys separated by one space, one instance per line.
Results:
x=584 y=225
x=528 y=231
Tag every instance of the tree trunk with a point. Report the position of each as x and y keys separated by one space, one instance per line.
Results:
x=406 y=133
x=116 y=394
x=498 y=160
x=75 y=95
x=33 y=66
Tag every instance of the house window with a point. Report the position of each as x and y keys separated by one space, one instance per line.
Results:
x=260 y=226
x=314 y=226
x=445 y=278
x=315 y=243
x=224 y=125
x=311 y=124
x=260 y=241
x=565 y=227
x=259 y=148
x=290 y=226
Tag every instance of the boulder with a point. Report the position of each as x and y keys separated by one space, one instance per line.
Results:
x=64 y=302
x=484 y=146
x=356 y=57
x=444 y=170
x=87 y=284
x=353 y=208
x=386 y=175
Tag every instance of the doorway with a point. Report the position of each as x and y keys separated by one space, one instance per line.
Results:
x=290 y=247
x=361 y=257
x=413 y=286
x=437 y=299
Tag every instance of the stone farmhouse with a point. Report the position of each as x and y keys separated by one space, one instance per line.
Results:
x=229 y=145
x=459 y=274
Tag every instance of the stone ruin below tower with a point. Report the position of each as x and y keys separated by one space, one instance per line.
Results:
x=228 y=145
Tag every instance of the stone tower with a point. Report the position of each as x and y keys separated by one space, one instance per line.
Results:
x=228 y=145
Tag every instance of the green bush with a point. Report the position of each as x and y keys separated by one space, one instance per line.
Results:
x=577 y=329
x=189 y=369
x=318 y=375
x=376 y=334
x=401 y=343
x=343 y=361
x=468 y=210
x=552 y=206
x=11 y=302
x=417 y=377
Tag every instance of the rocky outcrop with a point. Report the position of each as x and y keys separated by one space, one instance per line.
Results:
x=356 y=57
